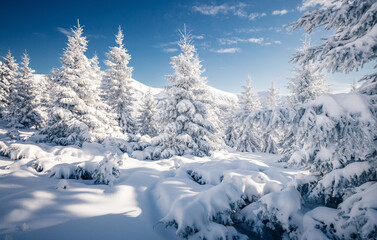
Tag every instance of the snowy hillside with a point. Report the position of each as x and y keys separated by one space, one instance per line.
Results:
x=37 y=204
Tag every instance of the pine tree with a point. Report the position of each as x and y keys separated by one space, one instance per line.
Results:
x=273 y=96
x=8 y=79
x=30 y=112
x=351 y=45
x=77 y=115
x=147 y=118
x=353 y=86
x=185 y=113
x=117 y=85
x=308 y=83
x=249 y=100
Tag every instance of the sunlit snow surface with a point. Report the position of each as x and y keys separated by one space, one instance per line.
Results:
x=183 y=192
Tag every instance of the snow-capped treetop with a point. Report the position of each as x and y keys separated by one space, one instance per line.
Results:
x=308 y=83
x=185 y=113
x=25 y=70
x=273 y=96
x=78 y=115
x=8 y=75
x=27 y=102
x=117 y=84
x=147 y=117
x=354 y=42
x=249 y=100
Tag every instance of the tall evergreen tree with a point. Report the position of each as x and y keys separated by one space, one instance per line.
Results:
x=184 y=115
x=352 y=43
x=249 y=100
x=8 y=78
x=147 y=118
x=273 y=96
x=117 y=85
x=77 y=115
x=308 y=83
x=29 y=95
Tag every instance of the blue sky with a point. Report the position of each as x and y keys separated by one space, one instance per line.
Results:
x=233 y=38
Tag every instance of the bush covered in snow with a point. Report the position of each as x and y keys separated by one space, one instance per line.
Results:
x=107 y=170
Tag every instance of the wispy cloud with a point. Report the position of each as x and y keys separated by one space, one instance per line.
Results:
x=254 y=15
x=170 y=50
x=311 y=3
x=226 y=9
x=255 y=40
x=226 y=50
x=235 y=40
x=65 y=31
x=280 y=12
x=199 y=37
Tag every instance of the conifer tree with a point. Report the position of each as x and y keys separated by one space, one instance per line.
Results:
x=8 y=78
x=117 y=85
x=147 y=118
x=184 y=115
x=77 y=115
x=249 y=100
x=352 y=41
x=308 y=83
x=30 y=112
x=273 y=96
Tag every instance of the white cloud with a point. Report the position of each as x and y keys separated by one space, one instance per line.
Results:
x=280 y=12
x=236 y=10
x=170 y=50
x=226 y=50
x=224 y=8
x=64 y=31
x=254 y=15
x=199 y=37
x=311 y=3
x=256 y=40
x=236 y=40
x=277 y=42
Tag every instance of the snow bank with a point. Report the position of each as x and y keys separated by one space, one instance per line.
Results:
x=277 y=210
x=336 y=184
x=204 y=194
x=18 y=151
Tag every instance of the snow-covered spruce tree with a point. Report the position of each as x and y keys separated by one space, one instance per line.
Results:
x=273 y=97
x=184 y=114
x=249 y=100
x=29 y=111
x=331 y=138
x=353 y=42
x=147 y=117
x=77 y=115
x=8 y=79
x=117 y=85
x=107 y=170
x=308 y=83
x=242 y=132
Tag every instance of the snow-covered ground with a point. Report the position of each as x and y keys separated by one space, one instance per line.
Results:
x=180 y=192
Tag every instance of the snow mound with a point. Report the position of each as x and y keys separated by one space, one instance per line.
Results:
x=202 y=195
x=18 y=151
